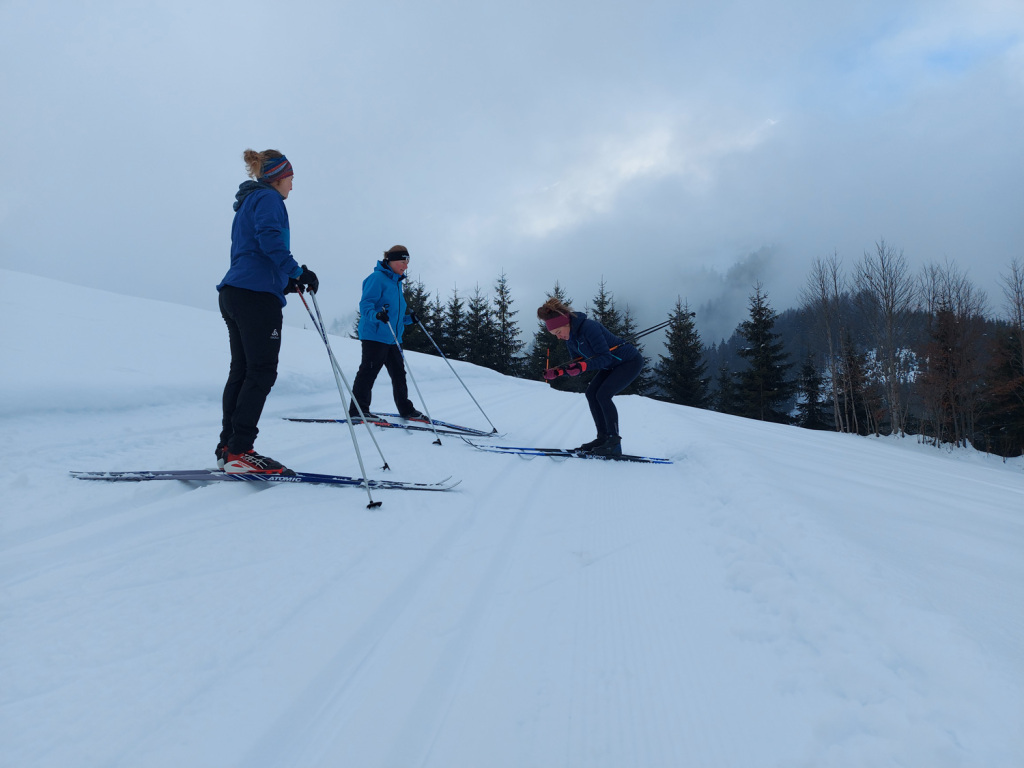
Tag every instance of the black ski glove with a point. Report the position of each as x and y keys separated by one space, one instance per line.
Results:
x=383 y=316
x=415 y=320
x=293 y=286
x=307 y=280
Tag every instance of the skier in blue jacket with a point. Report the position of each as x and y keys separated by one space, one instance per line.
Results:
x=251 y=297
x=382 y=305
x=593 y=347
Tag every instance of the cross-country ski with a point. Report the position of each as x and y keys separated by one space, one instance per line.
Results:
x=565 y=453
x=217 y=475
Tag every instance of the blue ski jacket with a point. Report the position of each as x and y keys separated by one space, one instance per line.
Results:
x=592 y=341
x=383 y=288
x=260 y=240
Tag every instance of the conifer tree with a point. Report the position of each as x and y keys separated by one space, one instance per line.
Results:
x=726 y=398
x=480 y=333
x=436 y=323
x=1004 y=420
x=418 y=300
x=507 y=342
x=603 y=310
x=763 y=387
x=644 y=382
x=810 y=410
x=453 y=328
x=682 y=372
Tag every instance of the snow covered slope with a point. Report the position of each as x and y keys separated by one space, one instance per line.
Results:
x=774 y=598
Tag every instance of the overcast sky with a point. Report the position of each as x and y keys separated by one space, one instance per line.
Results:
x=673 y=148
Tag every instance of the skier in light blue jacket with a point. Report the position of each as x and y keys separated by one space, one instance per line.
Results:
x=382 y=305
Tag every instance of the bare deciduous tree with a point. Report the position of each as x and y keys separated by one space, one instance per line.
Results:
x=886 y=294
x=822 y=300
x=951 y=379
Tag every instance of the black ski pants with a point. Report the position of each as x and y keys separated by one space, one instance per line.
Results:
x=377 y=355
x=254 y=333
x=605 y=385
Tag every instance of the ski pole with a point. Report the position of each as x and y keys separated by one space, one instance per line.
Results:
x=494 y=429
x=405 y=362
x=652 y=329
x=319 y=322
x=336 y=369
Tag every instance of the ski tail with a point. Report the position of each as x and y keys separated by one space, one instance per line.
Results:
x=414 y=426
x=445 y=424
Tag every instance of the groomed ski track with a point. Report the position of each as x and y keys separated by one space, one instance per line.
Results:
x=774 y=598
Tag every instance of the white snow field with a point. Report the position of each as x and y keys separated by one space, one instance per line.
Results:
x=776 y=597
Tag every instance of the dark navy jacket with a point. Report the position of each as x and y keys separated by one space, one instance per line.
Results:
x=591 y=340
x=260 y=241
x=383 y=288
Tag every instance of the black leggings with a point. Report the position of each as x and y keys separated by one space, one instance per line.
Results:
x=605 y=385
x=377 y=355
x=254 y=333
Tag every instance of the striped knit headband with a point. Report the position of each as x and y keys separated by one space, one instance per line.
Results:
x=276 y=169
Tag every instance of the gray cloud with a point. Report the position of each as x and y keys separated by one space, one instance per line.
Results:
x=676 y=149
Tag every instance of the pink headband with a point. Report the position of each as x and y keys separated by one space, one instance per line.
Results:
x=556 y=322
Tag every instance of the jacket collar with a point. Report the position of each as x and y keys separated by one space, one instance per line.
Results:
x=388 y=271
x=246 y=188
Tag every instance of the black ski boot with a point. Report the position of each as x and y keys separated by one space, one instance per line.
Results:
x=592 y=444
x=612 y=446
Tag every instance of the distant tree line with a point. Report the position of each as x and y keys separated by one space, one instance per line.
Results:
x=878 y=350
x=883 y=351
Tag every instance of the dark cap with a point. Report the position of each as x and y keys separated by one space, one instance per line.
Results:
x=396 y=253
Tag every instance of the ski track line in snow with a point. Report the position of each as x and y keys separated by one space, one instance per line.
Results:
x=146 y=749
x=606 y=661
x=285 y=739
x=457 y=625
x=622 y=638
x=321 y=721
x=103 y=534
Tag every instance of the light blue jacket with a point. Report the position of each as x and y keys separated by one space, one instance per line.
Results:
x=383 y=288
